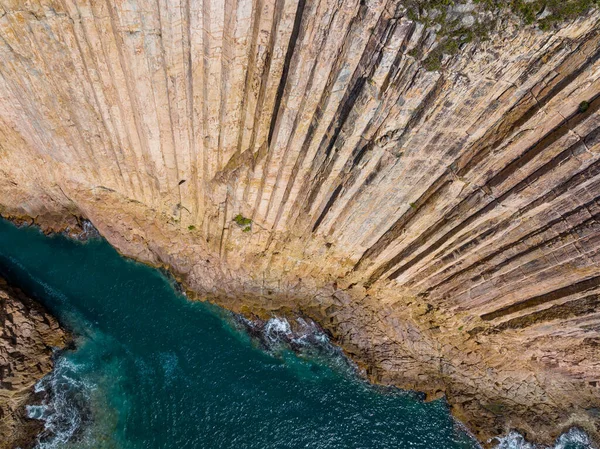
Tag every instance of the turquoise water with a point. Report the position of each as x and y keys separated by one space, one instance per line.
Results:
x=151 y=369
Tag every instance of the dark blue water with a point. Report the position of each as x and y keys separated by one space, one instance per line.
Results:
x=154 y=370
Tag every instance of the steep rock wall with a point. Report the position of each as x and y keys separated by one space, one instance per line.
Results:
x=285 y=156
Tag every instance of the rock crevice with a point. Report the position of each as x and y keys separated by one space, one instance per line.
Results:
x=425 y=189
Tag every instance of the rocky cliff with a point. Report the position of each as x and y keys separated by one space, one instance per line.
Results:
x=28 y=334
x=420 y=177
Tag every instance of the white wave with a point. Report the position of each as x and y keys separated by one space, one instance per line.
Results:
x=278 y=331
x=88 y=231
x=574 y=439
x=573 y=436
x=277 y=328
x=514 y=440
x=39 y=386
x=302 y=336
x=37 y=411
x=62 y=411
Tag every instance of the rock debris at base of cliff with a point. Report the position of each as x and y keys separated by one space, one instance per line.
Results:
x=422 y=178
x=28 y=336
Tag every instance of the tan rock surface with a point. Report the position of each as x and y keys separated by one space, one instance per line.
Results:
x=443 y=225
x=28 y=334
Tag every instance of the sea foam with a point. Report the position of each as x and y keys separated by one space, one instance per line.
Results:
x=573 y=439
x=65 y=407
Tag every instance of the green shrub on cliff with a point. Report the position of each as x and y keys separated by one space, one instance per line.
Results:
x=243 y=222
x=543 y=12
x=458 y=22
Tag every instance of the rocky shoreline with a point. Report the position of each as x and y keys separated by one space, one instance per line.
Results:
x=421 y=178
x=29 y=337
x=470 y=371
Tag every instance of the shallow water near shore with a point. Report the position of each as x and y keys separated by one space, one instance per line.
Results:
x=153 y=370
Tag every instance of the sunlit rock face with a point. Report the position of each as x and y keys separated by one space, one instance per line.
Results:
x=285 y=156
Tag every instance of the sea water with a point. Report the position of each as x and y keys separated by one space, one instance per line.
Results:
x=151 y=369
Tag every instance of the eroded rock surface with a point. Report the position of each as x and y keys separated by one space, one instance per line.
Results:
x=28 y=336
x=283 y=156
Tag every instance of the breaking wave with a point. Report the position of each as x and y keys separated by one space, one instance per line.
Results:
x=65 y=407
x=301 y=336
x=154 y=371
x=75 y=408
x=87 y=232
x=572 y=439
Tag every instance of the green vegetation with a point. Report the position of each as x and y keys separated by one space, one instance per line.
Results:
x=583 y=106
x=530 y=11
x=243 y=222
x=191 y=227
x=453 y=32
x=413 y=205
x=558 y=10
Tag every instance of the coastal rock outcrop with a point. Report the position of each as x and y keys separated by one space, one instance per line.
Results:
x=422 y=181
x=28 y=336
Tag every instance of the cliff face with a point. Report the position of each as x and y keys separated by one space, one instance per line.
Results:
x=285 y=156
x=27 y=335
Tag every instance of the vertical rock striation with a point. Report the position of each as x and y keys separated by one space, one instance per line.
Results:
x=300 y=156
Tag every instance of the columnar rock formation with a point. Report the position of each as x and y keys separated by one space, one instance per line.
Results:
x=28 y=335
x=300 y=156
